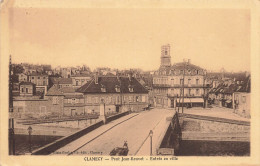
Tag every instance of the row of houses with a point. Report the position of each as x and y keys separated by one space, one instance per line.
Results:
x=232 y=93
x=118 y=93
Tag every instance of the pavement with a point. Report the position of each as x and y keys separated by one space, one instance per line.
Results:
x=220 y=112
x=133 y=128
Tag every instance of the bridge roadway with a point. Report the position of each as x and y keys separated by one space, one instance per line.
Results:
x=133 y=128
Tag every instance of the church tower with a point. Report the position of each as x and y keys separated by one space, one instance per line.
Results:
x=165 y=56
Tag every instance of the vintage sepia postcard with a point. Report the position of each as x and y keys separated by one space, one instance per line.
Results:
x=154 y=82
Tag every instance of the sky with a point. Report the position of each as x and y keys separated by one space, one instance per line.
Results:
x=131 y=37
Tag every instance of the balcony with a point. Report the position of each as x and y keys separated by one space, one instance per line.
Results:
x=180 y=86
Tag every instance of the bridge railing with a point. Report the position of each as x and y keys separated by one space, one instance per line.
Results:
x=169 y=143
x=52 y=147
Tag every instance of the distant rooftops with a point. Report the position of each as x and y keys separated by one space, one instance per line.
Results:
x=82 y=75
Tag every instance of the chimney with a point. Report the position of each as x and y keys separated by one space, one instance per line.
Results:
x=96 y=78
x=130 y=76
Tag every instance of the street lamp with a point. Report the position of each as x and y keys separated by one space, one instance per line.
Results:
x=151 y=138
x=30 y=132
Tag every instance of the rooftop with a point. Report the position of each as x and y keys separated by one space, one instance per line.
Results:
x=109 y=83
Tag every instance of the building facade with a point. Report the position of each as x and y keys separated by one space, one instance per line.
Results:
x=79 y=80
x=39 y=79
x=118 y=93
x=178 y=83
x=27 y=89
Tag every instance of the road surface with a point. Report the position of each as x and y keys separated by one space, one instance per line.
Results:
x=133 y=128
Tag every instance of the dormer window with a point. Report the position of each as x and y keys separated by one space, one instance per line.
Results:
x=103 y=89
x=131 y=89
x=117 y=88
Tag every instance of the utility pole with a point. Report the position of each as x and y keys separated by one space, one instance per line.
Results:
x=11 y=138
x=183 y=86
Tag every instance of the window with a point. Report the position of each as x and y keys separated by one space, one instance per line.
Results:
x=96 y=99
x=189 y=81
x=197 y=71
x=32 y=78
x=172 y=91
x=197 y=91
x=55 y=100
x=143 y=99
x=244 y=99
x=117 y=88
x=103 y=89
x=43 y=109
x=26 y=90
x=189 y=91
x=137 y=98
x=77 y=83
x=180 y=91
x=130 y=98
x=166 y=52
x=43 y=77
x=197 y=81
x=125 y=98
x=43 y=82
x=88 y=99
x=38 y=77
x=22 y=90
x=131 y=89
x=181 y=81
x=172 y=81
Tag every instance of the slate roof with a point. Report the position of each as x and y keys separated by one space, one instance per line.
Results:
x=229 y=89
x=246 y=86
x=110 y=83
x=54 y=91
x=81 y=75
x=180 y=66
x=68 y=90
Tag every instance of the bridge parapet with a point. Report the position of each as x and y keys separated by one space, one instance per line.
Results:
x=169 y=144
x=197 y=127
x=52 y=147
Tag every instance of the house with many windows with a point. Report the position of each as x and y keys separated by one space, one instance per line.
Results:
x=178 y=83
x=118 y=93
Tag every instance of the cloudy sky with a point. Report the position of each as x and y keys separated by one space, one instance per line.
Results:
x=131 y=38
